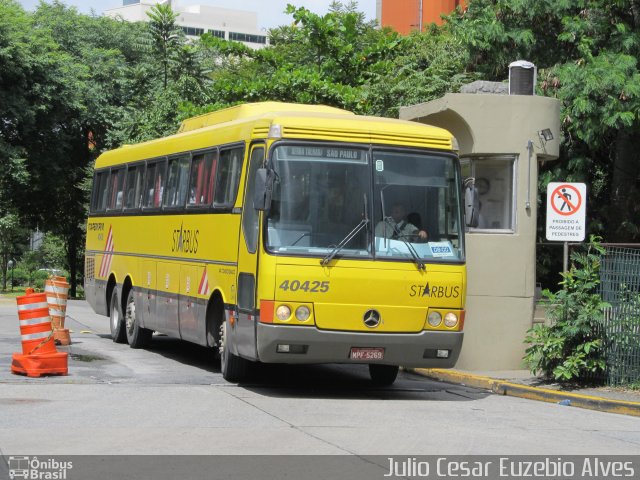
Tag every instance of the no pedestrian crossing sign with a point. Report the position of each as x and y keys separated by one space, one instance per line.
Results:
x=566 y=211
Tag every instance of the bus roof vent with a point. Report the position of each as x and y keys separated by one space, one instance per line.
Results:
x=249 y=110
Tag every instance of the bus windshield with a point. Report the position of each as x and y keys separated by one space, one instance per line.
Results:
x=409 y=202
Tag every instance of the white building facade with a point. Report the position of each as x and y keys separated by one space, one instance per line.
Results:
x=228 y=24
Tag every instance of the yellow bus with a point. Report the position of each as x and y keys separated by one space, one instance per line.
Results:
x=284 y=233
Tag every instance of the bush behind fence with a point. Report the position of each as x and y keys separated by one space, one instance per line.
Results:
x=620 y=287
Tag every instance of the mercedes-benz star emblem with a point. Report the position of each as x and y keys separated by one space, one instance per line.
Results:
x=372 y=318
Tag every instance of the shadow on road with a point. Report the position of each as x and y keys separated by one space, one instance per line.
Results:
x=339 y=381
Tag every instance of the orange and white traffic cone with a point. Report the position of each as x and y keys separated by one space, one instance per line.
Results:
x=56 y=289
x=39 y=355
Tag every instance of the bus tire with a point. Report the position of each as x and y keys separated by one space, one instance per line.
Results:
x=137 y=336
x=116 y=320
x=214 y=320
x=383 y=375
x=234 y=368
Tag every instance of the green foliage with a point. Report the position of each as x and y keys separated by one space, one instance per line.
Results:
x=166 y=37
x=571 y=347
x=336 y=59
x=12 y=239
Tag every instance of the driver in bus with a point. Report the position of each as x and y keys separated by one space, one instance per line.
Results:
x=402 y=227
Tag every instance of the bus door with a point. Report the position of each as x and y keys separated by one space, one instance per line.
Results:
x=245 y=333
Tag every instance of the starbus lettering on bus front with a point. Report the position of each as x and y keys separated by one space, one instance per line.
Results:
x=434 y=291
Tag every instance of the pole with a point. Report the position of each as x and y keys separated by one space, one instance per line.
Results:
x=565 y=258
x=10 y=264
x=420 y=15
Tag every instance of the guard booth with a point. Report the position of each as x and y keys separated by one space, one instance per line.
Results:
x=504 y=135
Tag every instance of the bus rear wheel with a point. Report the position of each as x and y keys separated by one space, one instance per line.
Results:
x=233 y=368
x=116 y=322
x=383 y=375
x=137 y=336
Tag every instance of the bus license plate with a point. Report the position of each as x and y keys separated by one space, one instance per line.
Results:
x=367 y=353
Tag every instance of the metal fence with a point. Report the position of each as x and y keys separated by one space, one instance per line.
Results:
x=620 y=287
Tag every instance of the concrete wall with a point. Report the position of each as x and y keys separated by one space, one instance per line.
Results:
x=501 y=265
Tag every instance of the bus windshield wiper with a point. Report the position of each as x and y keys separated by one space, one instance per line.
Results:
x=363 y=223
x=344 y=241
x=412 y=251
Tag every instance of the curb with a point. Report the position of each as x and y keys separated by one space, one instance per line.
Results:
x=503 y=387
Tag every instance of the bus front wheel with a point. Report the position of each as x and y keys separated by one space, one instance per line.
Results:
x=233 y=367
x=137 y=336
x=383 y=375
x=116 y=321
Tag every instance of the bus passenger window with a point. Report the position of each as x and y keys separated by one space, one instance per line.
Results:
x=154 y=184
x=116 y=188
x=228 y=176
x=201 y=183
x=100 y=192
x=134 y=186
x=176 y=190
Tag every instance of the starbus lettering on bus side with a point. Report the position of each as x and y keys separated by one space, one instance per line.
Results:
x=185 y=240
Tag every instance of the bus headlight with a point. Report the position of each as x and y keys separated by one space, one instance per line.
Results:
x=434 y=319
x=303 y=313
x=283 y=312
x=450 y=319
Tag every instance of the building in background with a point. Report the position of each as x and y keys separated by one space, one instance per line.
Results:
x=407 y=15
x=228 y=24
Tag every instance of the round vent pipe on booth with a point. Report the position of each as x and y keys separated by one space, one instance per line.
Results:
x=522 y=78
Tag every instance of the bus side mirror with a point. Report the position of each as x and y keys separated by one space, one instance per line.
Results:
x=471 y=204
x=263 y=188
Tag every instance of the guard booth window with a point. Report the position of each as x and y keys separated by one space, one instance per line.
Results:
x=495 y=180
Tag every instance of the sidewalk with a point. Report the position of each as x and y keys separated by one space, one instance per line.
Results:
x=520 y=383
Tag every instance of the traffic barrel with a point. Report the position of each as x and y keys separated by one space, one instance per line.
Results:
x=39 y=355
x=57 y=289
x=35 y=324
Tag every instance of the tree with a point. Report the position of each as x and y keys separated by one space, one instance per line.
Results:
x=167 y=37
x=586 y=52
x=58 y=99
x=12 y=242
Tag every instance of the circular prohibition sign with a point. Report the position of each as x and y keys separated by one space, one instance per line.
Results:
x=566 y=197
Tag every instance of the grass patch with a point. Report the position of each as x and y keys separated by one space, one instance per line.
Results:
x=17 y=292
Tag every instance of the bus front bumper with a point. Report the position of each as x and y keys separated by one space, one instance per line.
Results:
x=311 y=345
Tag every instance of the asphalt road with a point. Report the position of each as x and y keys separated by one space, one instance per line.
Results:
x=171 y=399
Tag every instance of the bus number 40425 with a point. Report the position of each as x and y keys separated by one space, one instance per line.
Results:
x=305 y=286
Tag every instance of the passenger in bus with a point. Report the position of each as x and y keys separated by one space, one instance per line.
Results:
x=402 y=226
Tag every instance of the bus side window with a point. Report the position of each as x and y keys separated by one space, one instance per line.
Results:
x=250 y=218
x=176 y=188
x=203 y=172
x=134 y=186
x=149 y=180
x=116 y=189
x=228 y=176
x=153 y=184
x=100 y=191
